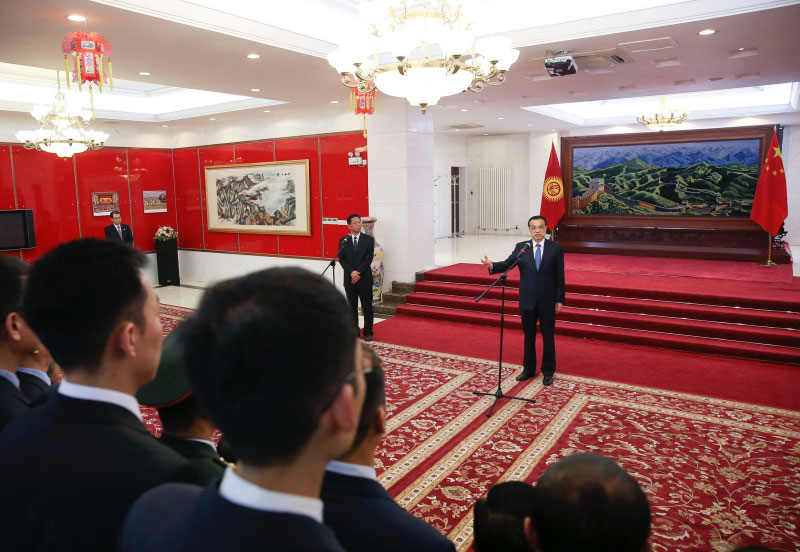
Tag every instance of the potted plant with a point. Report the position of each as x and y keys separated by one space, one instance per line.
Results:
x=166 y=239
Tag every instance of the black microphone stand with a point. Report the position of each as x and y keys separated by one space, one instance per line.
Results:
x=498 y=394
x=333 y=261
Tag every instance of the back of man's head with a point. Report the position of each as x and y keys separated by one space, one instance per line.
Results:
x=78 y=292
x=588 y=503
x=13 y=272
x=266 y=355
x=374 y=396
x=499 y=518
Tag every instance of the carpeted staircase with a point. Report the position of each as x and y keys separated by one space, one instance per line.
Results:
x=724 y=316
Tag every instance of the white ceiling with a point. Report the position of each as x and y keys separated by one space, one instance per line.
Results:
x=189 y=45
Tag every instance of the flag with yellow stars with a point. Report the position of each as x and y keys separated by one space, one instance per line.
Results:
x=770 y=206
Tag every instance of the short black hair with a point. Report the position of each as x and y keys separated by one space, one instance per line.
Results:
x=13 y=272
x=587 y=502
x=265 y=352
x=351 y=217
x=112 y=213
x=179 y=416
x=534 y=217
x=78 y=292
x=374 y=397
x=499 y=518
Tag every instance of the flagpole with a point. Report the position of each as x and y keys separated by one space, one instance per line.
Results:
x=769 y=262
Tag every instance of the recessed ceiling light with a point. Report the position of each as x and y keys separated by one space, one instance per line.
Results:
x=334 y=101
x=212 y=118
x=76 y=17
x=164 y=126
x=144 y=73
x=486 y=134
x=267 y=111
x=741 y=49
x=530 y=124
x=255 y=90
x=500 y=118
x=706 y=32
x=253 y=56
x=465 y=110
x=457 y=130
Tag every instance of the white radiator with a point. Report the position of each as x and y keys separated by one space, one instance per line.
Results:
x=495 y=198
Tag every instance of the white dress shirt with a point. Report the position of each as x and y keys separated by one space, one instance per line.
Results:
x=36 y=373
x=10 y=376
x=238 y=490
x=89 y=393
x=354 y=470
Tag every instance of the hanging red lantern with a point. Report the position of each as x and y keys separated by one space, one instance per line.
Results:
x=364 y=103
x=88 y=51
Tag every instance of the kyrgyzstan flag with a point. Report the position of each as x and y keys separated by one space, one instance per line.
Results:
x=553 y=191
x=770 y=206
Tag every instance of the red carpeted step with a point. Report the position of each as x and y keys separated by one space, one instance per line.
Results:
x=769 y=353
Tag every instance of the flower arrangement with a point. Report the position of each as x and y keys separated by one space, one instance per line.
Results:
x=166 y=233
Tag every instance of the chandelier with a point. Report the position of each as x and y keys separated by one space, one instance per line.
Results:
x=62 y=129
x=663 y=118
x=421 y=50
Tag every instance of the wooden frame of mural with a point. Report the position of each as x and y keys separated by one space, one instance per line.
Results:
x=698 y=234
x=259 y=198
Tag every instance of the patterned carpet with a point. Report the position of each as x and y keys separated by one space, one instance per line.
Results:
x=718 y=474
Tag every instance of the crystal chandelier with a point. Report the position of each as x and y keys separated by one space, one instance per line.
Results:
x=422 y=50
x=664 y=118
x=62 y=129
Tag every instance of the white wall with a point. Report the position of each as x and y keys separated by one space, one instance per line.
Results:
x=448 y=151
x=791 y=164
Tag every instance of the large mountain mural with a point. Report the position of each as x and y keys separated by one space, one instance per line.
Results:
x=729 y=152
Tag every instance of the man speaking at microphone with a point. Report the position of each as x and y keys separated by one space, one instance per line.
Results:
x=541 y=294
x=357 y=250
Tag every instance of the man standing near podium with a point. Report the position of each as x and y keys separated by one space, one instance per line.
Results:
x=116 y=231
x=357 y=250
x=541 y=294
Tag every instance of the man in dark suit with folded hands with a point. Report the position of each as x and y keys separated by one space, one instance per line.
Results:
x=541 y=294
x=357 y=508
x=356 y=258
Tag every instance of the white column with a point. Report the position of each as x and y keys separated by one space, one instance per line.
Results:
x=400 y=164
x=791 y=164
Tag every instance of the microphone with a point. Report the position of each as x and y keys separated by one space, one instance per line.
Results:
x=523 y=250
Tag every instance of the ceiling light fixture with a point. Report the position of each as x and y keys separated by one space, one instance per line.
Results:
x=500 y=118
x=706 y=32
x=77 y=18
x=663 y=118
x=253 y=56
x=255 y=90
x=212 y=118
x=334 y=101
x=267 y=111
x=144 y=73
x=422 y=50
x=164 y=126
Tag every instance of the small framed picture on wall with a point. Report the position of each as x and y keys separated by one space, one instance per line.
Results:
x=154 y=201
x=104 y=203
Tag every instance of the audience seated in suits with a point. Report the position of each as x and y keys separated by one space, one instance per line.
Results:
x=272 y=358
x=34 y=373
x=588 y=503
x=499 y=518
x=17 y=340
x=187 y=429
x=91 y=306
x=357 y=508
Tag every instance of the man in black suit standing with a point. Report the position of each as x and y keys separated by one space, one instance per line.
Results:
x=541 y=294
x=272 y=358
x=116 y=231
x=89 y=303
x=357 y=508
x=356 y=258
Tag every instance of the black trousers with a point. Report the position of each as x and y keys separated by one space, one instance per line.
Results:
x=547 y=323
x=362 y=290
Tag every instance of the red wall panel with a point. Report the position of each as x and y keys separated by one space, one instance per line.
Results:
x=187 y=199
x=290 y=150
x=46 y=184
x=104 y=170
x=150 y=170
x=217 y=241
x=257 y=152
x=344 y=187
x=6 y=179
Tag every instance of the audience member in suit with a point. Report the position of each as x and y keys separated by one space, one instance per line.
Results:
x=541 y=294
x=272 y=358
x=499 y=518
x=357 y=508
x=187 y=429
x=17 y=340
x=356 y=259
x=91 y=306
x=116 y=231
x=34 y=373
x=588 y=503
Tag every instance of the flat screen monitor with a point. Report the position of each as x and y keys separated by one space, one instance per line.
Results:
x=16 y=229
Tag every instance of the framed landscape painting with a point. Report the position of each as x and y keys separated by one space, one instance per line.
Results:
x=259 y=198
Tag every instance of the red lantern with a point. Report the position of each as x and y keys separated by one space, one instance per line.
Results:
x=364 y=103
x=88 y=51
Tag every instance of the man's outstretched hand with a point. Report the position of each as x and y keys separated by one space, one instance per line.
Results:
x=486 y=262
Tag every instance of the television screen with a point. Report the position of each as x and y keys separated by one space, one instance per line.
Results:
x=16 y=229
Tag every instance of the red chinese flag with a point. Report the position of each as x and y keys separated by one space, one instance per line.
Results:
x=770 y=206
x=553 y=191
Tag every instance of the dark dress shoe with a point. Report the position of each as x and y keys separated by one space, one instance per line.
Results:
x=368 y=337
x=548 y=380
x=525 y=375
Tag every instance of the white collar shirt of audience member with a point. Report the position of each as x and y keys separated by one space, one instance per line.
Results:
x=10 y=376
x=353 y=470
x=89 y=393
x=35 y=373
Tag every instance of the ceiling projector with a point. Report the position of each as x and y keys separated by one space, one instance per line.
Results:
x=560 y=65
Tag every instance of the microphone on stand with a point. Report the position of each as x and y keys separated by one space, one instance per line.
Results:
x=523 y=250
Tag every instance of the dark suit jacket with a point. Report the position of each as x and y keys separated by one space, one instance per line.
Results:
x=360 y=258
x=184 y=518
x=113 y=235
x=365 y=518
x=204 y=458
x=105 y=460
x=543 y=287
x=31 y=386
x=12 y=404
